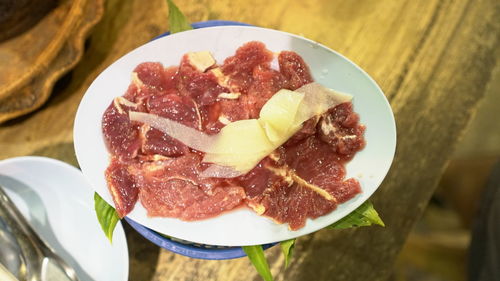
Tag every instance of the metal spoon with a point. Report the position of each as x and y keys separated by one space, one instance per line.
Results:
x=11 y=257
x=38 y=261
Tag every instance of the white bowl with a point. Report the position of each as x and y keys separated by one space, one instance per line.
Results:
x=242 y=226
x=58 y=202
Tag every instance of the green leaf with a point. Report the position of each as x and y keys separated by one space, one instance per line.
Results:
x=364 y=215
x=106 y=215
x=176 y=20
x=256 y=256
x=287 y=249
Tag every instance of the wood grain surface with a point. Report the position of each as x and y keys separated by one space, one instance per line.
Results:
x=433 y=59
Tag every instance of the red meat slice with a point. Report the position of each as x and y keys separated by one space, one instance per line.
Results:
x=178 y=108
x=157 y=142
x=312 y=157
x=210 y=118
x=218 y=115
x=240 y=67
x=316 y=163
x=308 y=129
x=266 y=82
x=202 y=87
x=152 y=75
x=121 y=136
x=295 y=204
x=297 y=182
x=184 y=200
x=171 y=77
x=234 y=110
x=274 y=191
x=172 y=188
x=259 y=181
x=132 y=93
x=295 y=70
x=121 y=185
x=341 y=129
x=154 y=79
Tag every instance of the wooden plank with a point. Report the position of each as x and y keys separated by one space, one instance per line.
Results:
x=432 y=59
x=441 y=87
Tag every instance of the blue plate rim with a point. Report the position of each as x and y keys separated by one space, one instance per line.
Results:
x=189 y=250
x=208 y=23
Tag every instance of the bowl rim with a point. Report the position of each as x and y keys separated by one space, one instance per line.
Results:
x=196 y=250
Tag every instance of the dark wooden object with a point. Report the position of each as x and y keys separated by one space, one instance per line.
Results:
x=36 y=56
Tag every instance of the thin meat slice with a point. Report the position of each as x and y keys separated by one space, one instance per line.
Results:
x=259 y=181
x=308 y=129
x=300 y=181
x=312 y=157
x=157 y=142
x=178 y=108
x=171 y=77
x=340 y=128
x=295 y=204
x=172 y=188
x=320 y=168
x=274 y=191
x=132 y=93
x=224 y=112
x=184 y=200
x=233 y=110
x=202 y=87
x=121 y=136
x=210 y=118
x=295 y=70
x=342 y=191
x=266 y=82
x=240 y=67
x=168 y=197
x=152 y=75
x=121 y=185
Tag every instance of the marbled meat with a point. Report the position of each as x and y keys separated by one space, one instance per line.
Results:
x=304 y=178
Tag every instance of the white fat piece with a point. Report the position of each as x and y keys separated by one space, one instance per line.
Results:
x=222 y=79
x=198 y=114
x=119 y=101
x=136 y=80
x=349 y=137
x=223 y=119
x=201 y=60
x=275 y=62
x=327 y=128
x=229 y=96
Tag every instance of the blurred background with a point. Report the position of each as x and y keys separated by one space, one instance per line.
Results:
x=437 y=248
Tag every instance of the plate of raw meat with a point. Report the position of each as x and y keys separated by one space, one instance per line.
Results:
x=234 y=135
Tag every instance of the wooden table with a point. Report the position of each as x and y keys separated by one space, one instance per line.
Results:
x=433 y=59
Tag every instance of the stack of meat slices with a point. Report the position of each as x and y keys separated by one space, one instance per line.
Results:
x=303 y=178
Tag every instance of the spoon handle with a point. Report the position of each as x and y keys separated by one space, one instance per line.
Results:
x=16 y=221
x=33 y=246
x=6 y=275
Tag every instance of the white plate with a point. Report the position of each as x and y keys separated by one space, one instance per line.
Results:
x=58 y=202
x=240 y=227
